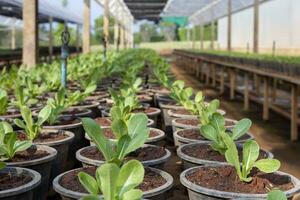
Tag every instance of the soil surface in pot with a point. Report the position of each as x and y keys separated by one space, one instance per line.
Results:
x=146 y=110
x=181 y=112
x=29 y=154
x=141 y=154
x=10 y=181
x=45 y=137
x=226 y=179
x=75 y=111
x=196 y=122
x=103 y=121
x=206 y=152
x=194 y=134
x=71 y=182
x=64 y=121
x=109 y=134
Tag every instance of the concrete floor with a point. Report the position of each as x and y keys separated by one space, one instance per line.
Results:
x=272 y=135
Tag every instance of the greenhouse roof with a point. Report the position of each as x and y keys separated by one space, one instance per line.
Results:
x=204 y=11
x=13 y=8
x=145 y=9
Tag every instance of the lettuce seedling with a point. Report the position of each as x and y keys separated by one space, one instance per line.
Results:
x=113 y=182
x=9 y=145
x=182 y=95
x=58 y=105
x=130 y=135
x=22 y=97
x=32 y=128
x=215 y=130
x=76 y=97
x=3 y=101
x=249 y=161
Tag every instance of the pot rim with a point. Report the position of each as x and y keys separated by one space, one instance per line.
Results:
x=52 y=155
x=188 y=140
x=36 y=180
x=223 y=194
x=198 y=161
x=92 y=104
x=57 y=142
x=93 y=162
x=185 y=126
x=73 y=194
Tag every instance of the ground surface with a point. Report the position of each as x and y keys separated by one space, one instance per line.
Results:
x=272 y=135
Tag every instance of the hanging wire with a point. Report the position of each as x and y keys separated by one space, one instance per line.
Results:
x=65 y=39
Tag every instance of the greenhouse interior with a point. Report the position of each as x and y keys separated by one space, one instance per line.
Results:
x=149 y=99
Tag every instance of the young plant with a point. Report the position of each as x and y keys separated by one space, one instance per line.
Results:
x=276 y=195
x=58 y=105
x=9 y=145
x=182 y=95
x=77 y=96
x=3 y=101
x=203 y=110
x=32 y=127
x=249 y=161
x=22 y=97
x=215 y=131
x=113 y=182
x=130 y=135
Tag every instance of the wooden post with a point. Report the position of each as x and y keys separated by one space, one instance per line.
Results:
x=13 y=37
x=294 y=113
x=50 y=38
x=257 y=84
x=207 y=73
x=232 y=83
x=246 y=91
x=86 y=26
x=106 y=23
x=256 y=27
x=222 y=85
x=274 y=90
x=229 y=28
x=266 y=99
x=213 y=73
x=30 y=32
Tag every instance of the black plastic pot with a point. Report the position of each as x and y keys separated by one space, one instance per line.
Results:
x=23 y=192
x=42 y=166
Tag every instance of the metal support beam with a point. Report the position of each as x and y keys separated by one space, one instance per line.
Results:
x=86 y=26
x=50 y=38
x=256 y=27
x=212 y=34
x=106 y=24
x=294 y=113
x=30 y=32
x=229 y=25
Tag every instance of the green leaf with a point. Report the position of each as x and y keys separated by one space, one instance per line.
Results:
x=27 y=116
x=6 y=127
x=276 y=195
x=90 y=197
x=199 y=97
x=122 y=147
x=134 y=194
x=209 y=132
x=95 y=132
x=267 y=165
x=22 y=145
x=250 y=155
x=218 y=122
x=89 y=183
x=131 y=175
x=137 y=125
x=2 y=165
x=43 y=115
x=119 y=128
x=241 y=128
x=108 y=174
x=20 y=123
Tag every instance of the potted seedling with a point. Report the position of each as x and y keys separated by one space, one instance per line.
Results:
x=213 y=150
x=7 y=114
x=23 y=154
x=253 y=178
x=110 y=181
x=130 y=137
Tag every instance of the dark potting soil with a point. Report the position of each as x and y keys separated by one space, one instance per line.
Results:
x=225 y=179
x=181 y=112
x=146 y=110
x=194 y=134
x=10 y=181
x=144 y=97
x=141 y=154
x=29 y=155
x=46 y=137
x=196 y=122
x=103 y=121
x=74 y=111
x=109 y=134
x=64 y=121
x=70 y=180
x=206 y=152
